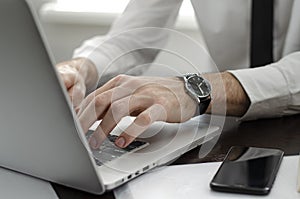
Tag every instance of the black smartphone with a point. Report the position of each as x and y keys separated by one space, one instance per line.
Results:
x=248 y=170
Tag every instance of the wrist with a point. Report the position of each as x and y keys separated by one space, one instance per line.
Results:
x=238 y=101
x=227 y=90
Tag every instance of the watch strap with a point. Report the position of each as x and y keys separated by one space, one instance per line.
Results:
x=204 y=105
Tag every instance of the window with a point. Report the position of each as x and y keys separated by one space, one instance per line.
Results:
x=102 y=12
x=108 y=6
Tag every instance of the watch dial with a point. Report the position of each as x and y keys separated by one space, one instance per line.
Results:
x=199 y=86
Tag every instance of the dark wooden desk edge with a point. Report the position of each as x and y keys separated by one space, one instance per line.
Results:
x=281 y=133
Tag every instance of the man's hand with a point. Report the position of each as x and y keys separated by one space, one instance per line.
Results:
x=153 y=99
x=150 y=99
x=78 y=75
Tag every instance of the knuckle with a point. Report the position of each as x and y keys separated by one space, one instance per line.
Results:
x=69 y=82
x=89 y=98
x=136 y=81
x=99 y=101
x=69 y=78
x=144 y=119
x=120 y=78
x=160 y=100
x=118 y=106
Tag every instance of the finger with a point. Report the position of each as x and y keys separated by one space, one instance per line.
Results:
x=77 y=93
x=115 y=113
x=99 y=105
x=69 y=75
x=140 y=124
x=106 y=87
x=99 y=136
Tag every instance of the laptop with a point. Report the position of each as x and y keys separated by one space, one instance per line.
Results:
x=40 y=133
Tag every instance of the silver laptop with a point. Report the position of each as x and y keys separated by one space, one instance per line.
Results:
x=40 y=134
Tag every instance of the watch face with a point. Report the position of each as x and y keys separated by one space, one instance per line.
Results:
x=199 y=86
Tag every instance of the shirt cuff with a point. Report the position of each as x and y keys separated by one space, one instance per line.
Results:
x=89 y=50
x=267 y=90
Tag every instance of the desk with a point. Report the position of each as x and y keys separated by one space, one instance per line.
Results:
x=283 y=133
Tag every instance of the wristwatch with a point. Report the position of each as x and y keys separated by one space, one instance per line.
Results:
x=199 y=89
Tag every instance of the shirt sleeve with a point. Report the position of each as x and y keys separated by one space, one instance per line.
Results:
x=274 y=90
x=134 y=39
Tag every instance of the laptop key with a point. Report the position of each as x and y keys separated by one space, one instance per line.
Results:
x=109 y=151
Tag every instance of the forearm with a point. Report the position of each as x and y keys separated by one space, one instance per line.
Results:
x=273 y=89
x=226 y=89
x=133 y=40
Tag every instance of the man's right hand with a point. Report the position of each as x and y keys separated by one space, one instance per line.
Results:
x=78 y=75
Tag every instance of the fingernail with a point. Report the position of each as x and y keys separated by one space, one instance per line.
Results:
x=120 y=142
x=93 y=142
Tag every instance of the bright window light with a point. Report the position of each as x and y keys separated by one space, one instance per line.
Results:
x=108 y=6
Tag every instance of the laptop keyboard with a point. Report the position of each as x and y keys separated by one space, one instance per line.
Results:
x=109 y=151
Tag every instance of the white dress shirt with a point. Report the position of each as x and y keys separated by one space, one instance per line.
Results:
x=274 y=90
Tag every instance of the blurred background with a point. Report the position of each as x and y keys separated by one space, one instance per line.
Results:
x=67 y=23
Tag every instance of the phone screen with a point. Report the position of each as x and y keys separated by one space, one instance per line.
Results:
x=248 y=170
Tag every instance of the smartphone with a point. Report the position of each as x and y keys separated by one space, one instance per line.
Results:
x=248 y=170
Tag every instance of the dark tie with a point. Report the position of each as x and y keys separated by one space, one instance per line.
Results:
x=262 y=33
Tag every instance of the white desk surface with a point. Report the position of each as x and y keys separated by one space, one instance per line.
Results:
x=192 y=182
